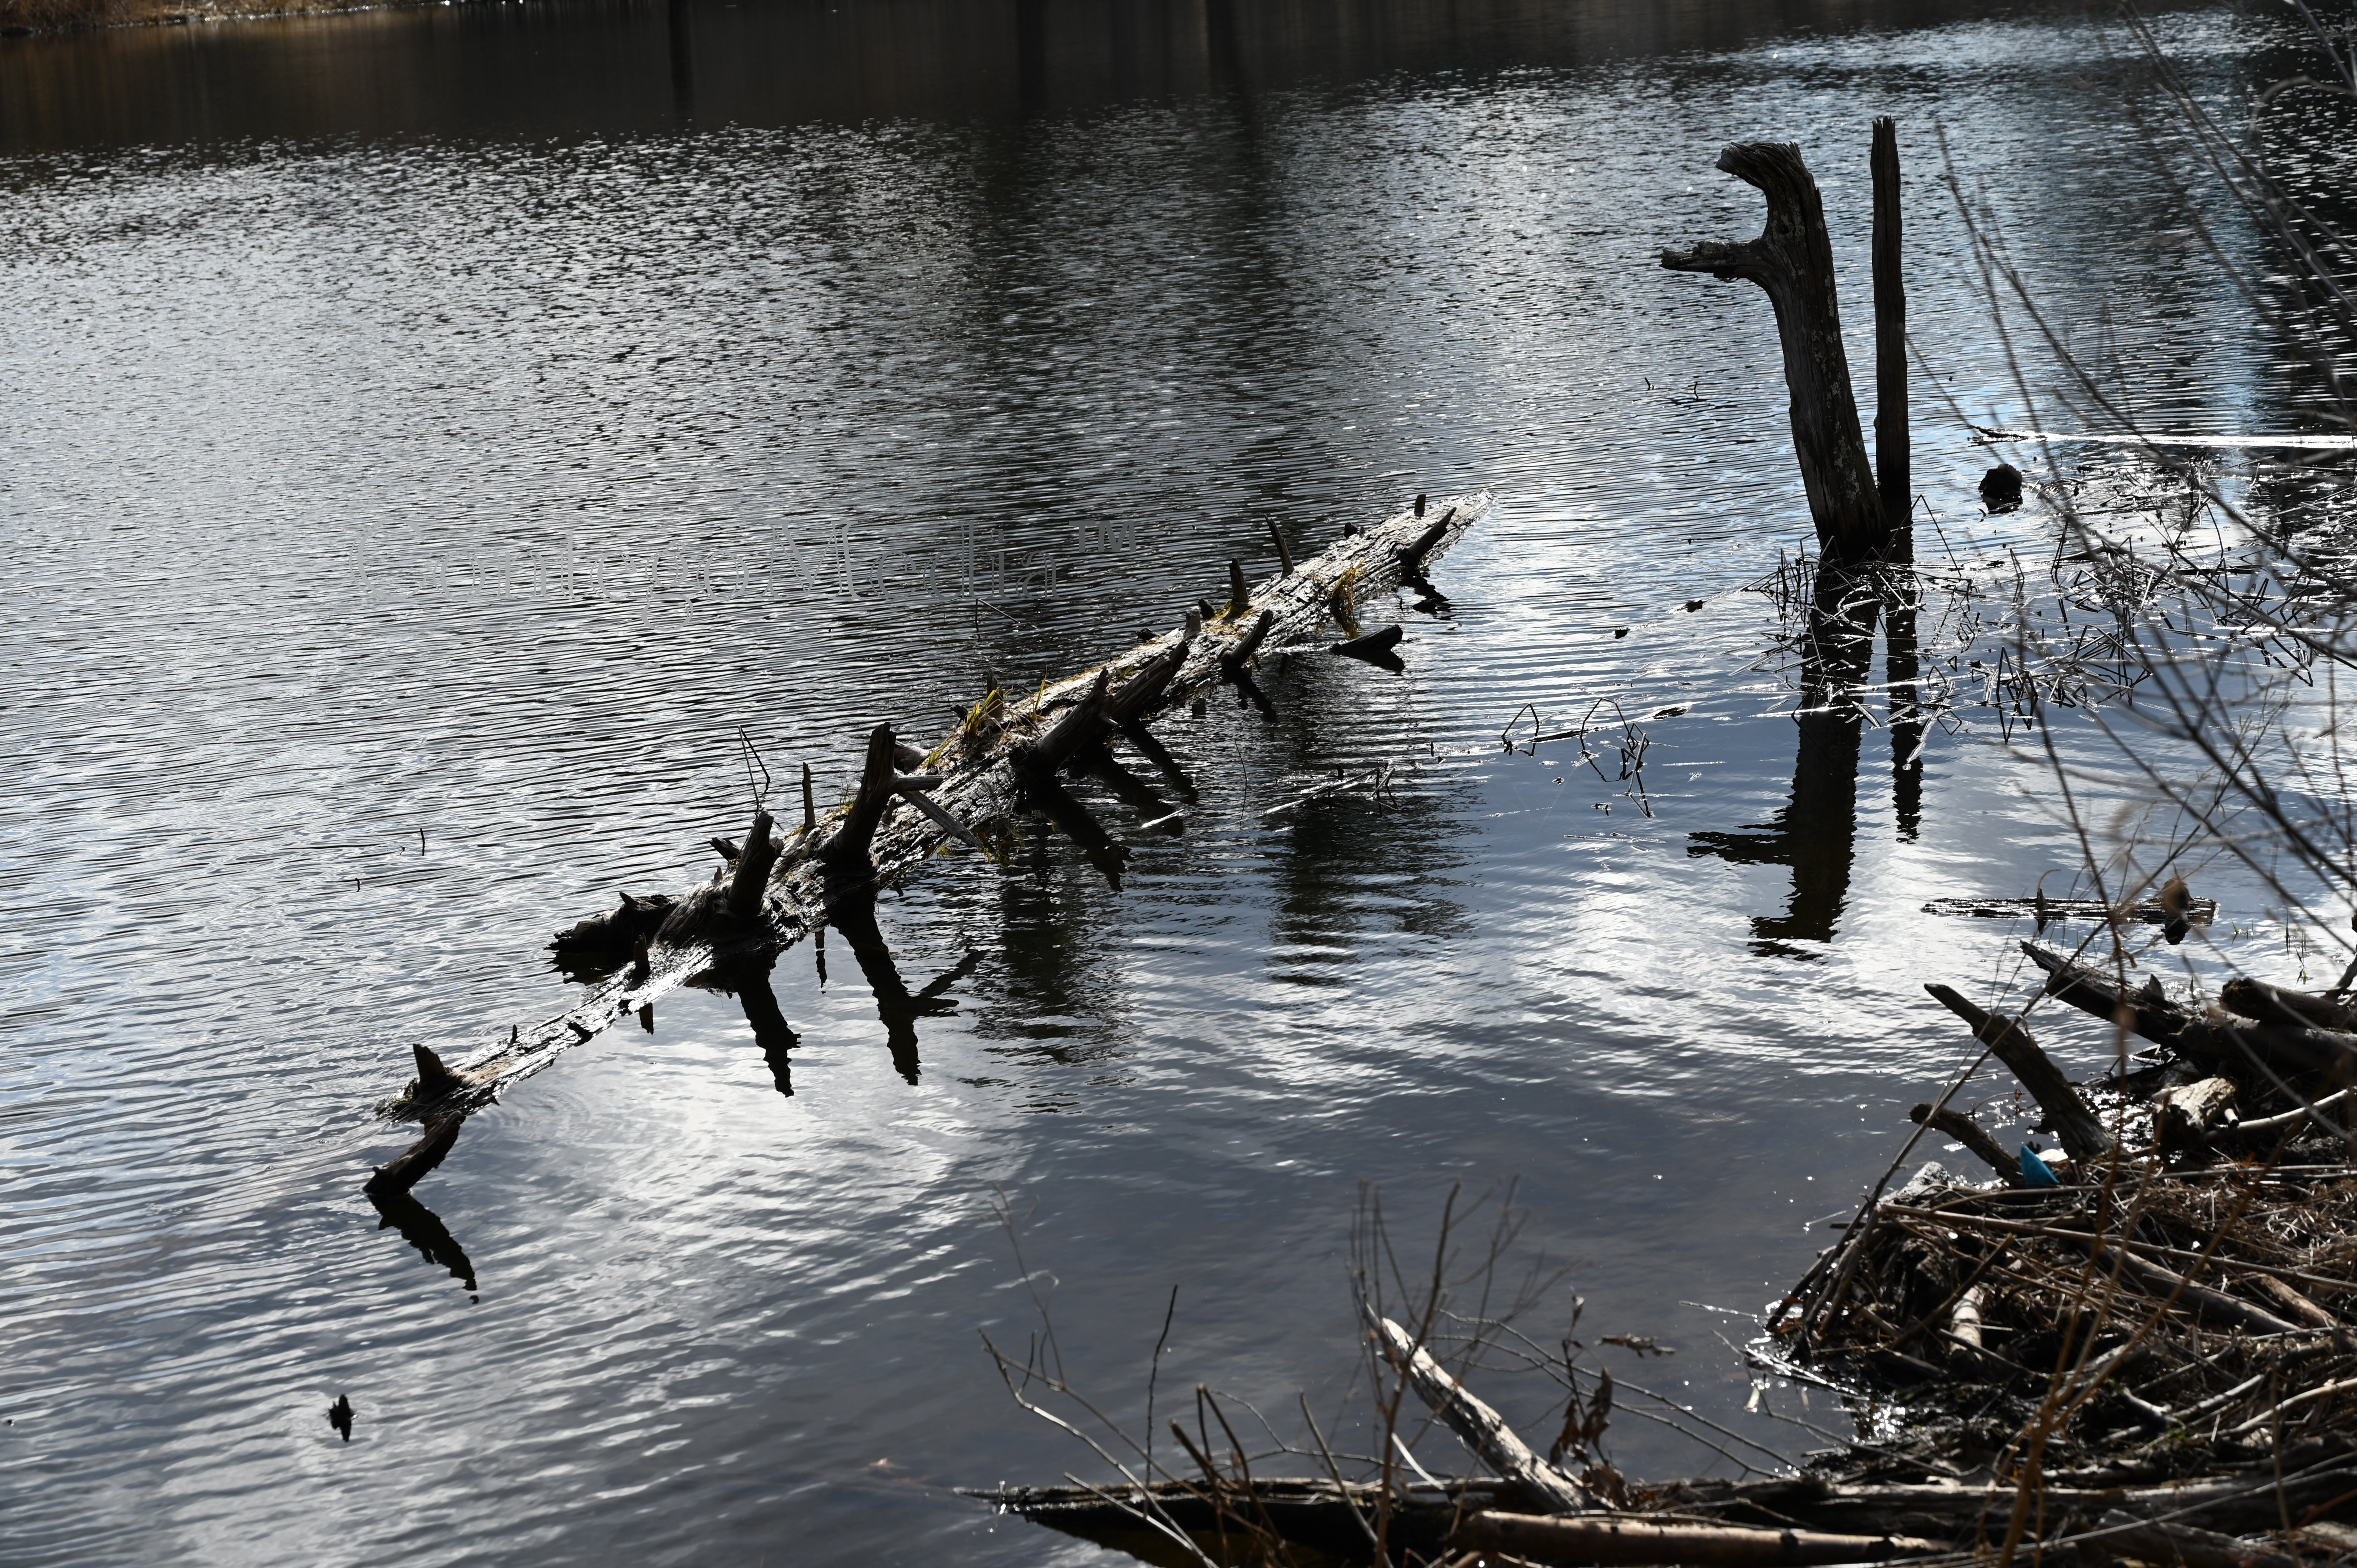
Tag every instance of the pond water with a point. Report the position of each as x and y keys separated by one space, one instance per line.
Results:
x=433 y=438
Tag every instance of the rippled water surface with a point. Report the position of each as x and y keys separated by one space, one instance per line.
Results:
x=430 y=439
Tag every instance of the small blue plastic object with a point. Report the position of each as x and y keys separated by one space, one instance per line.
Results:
x=2036 y=1170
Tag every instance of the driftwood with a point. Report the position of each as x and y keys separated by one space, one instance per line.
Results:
x=1002 y=758
x=2199 y=911
x=398 y=1175
x=2222 y=1043
x=1478 y=1427
x=2082 y=1136
x=1792 y=260
x=1971 y=1134
x=1607 y=1539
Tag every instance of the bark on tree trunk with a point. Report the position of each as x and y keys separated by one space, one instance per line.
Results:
x=1792 y=260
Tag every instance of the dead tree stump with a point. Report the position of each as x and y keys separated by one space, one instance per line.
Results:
x=1793 y=260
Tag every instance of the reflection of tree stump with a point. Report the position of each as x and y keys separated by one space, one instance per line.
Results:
x=1793 y=260
x=1815 y=835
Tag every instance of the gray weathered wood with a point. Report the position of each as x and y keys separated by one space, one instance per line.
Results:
x=1792 y=260
x=1481 y=1429
x=983 y=766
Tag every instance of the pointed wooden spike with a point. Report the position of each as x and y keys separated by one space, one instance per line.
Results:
x=1239 y=595
x=1284 y=551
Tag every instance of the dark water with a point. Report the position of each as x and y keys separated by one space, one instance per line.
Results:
x=429 y=438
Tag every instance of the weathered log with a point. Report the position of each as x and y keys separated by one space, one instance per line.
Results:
x=615 y=931
x=2294 y=1305
x=1893 y=460
x=1971 y=1134
x=1792 y=260
x=2081 y=1134
x=2223 y=1044
x=2246 y=1133
x=434 y=1080
x=1645 y=1544
x=1079 y=725
x=1478 y=1427
x=1964 y=1320
x=2276 y=1005
x=401 y=1173
x=2120 y=1534
x=2201 y=911
x=1412 y=558
x=2185 y=1114
x=985 y=781
x=2214 y=1306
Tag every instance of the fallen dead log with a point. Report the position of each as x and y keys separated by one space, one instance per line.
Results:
x=1478 y=1427
x=2081 y=1134
x=1971 y=1134
x=1001 y=758
x=2223 y=1043
x=396 y=1176
x=1649 y=1543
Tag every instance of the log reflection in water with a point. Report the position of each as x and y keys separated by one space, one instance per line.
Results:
x=896 y=1004
x=1104 y=852
x=750 y=982
x=1815 y=835
x=423 y=1229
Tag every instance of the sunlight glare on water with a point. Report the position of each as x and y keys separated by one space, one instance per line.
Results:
x=431 y=438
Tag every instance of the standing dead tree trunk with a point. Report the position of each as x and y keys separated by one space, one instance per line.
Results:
x=1893 y=460
x=1793 y=260
x=1003 y=758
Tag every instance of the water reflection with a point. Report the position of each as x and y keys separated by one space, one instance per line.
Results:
x=1814 y=835
x=423 y=1229
x=897 y=1007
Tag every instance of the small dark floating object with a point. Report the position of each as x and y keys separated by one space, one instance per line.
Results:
x=340 y=1416
x=1619 y=632
x=2001 y=488
x=1373 y=646
x=1694 y=605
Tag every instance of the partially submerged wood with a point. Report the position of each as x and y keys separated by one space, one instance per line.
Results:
x=2185 y=1114
x=1645 y=1544
x=1971 y=1134
x=1793 y=260
x=400 y=1173
x=2047 y=911
x=2224 y=1042
x=2081 y=1134
x=1478 y=1427
x=1373 y=647
x=991 y=768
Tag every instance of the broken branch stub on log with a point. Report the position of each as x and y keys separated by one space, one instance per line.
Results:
x=1792 y=260
x=1478 y=1427
x=982 y=768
